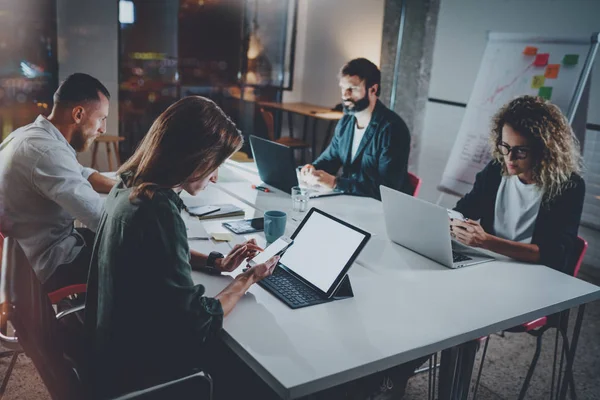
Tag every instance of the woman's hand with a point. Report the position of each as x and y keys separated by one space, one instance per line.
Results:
x=468 y=232
x=237 y=255
x=261 y=271
x=240 y=285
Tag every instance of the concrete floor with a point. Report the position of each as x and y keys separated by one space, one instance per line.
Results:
x=505 y=367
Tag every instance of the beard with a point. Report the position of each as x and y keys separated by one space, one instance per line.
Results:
x=80 y=142
x=357 y=106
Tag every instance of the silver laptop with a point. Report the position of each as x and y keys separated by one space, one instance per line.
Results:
x=424 y=228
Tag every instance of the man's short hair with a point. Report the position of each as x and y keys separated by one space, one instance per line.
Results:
x=365 y=70
x=79 y=88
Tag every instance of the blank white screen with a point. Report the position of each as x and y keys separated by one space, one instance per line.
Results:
x=321 y=250
x=270 y=251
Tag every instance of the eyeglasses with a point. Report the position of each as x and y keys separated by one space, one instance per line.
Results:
x=519 y=152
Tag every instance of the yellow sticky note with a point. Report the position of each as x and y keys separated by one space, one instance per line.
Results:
x=538 y=81
x=222 y=236
x=552 y=71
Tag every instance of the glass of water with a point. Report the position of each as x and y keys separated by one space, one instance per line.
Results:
x=299 y=199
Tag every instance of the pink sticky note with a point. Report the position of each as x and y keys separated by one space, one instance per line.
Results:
x=541 y=60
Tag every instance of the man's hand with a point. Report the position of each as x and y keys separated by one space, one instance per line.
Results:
x=322 y=178
x=307 y=170
x=469 y=232
x=261 y=271
x=101 y=183
x=237 y=255
x=306 y=174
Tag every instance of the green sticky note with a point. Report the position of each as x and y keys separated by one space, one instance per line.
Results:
x=545 y=92
x=538 y=81
x=571 y=59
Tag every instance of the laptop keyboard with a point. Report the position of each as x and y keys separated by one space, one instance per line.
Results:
x=292 y=291
x=457 y=257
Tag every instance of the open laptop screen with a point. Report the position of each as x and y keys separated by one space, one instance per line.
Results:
x=324 y=249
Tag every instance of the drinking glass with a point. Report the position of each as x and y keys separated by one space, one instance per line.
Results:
x=299 y=199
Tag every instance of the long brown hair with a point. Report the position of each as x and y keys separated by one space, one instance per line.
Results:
x=554 y=146
x=189 y=139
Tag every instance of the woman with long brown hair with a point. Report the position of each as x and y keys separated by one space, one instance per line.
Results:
x=529 y=198
x=146 y=321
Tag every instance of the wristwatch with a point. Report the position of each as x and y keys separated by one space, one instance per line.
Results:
x=210 y=267
x=212 y=257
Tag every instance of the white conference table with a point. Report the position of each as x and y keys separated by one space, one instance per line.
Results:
x=405 y=306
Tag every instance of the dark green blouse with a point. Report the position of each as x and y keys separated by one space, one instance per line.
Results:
x=145 y=319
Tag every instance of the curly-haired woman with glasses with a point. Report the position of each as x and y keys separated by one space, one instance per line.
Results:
x=528 y=199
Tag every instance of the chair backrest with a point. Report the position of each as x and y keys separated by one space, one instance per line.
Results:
x=31 y=314
x=580 y=248
x=415 y=182
x=196 y=386
x=269 y=122
x=1 y=238
x=1 y=243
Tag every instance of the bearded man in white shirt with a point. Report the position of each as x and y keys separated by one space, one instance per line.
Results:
x=43 y=188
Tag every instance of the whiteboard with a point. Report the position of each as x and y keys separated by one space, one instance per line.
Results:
x=514 y=65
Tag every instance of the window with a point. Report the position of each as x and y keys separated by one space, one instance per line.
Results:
x=28 y=61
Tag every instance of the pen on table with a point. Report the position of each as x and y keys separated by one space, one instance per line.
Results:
x=262 y=188
x=198 y=238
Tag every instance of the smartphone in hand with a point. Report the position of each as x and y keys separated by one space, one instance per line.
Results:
x=452 y=214
x=276 y=248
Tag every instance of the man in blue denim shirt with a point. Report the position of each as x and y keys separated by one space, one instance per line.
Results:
x=43 y=188
x=371 y=143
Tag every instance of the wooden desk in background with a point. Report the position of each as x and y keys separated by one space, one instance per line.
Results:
x=308 y=111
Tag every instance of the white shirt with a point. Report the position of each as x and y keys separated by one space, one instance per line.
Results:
x=357 y=138
x=517 y=207
x=43 y=189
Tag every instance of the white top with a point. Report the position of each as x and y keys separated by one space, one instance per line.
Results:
x=357 y=138
x=517 y=206
x=43 y=189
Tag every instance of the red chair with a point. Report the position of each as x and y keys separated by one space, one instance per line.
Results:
x=537 y=328
x=24 y=304
x=416 y=182
x=12 y=343
x=67 y=291
x=59 y=294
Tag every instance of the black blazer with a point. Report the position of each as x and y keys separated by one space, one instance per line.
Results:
x=556 y=225
x=382 y=157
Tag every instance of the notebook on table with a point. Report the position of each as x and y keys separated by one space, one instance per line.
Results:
x=225 y=211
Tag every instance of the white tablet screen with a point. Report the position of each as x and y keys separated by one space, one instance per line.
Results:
x=321 y=250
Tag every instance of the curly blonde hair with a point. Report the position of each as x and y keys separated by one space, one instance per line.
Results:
x=554 y=146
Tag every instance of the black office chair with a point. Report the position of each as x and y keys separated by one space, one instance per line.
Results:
x=26 y=306
x=195 y=386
